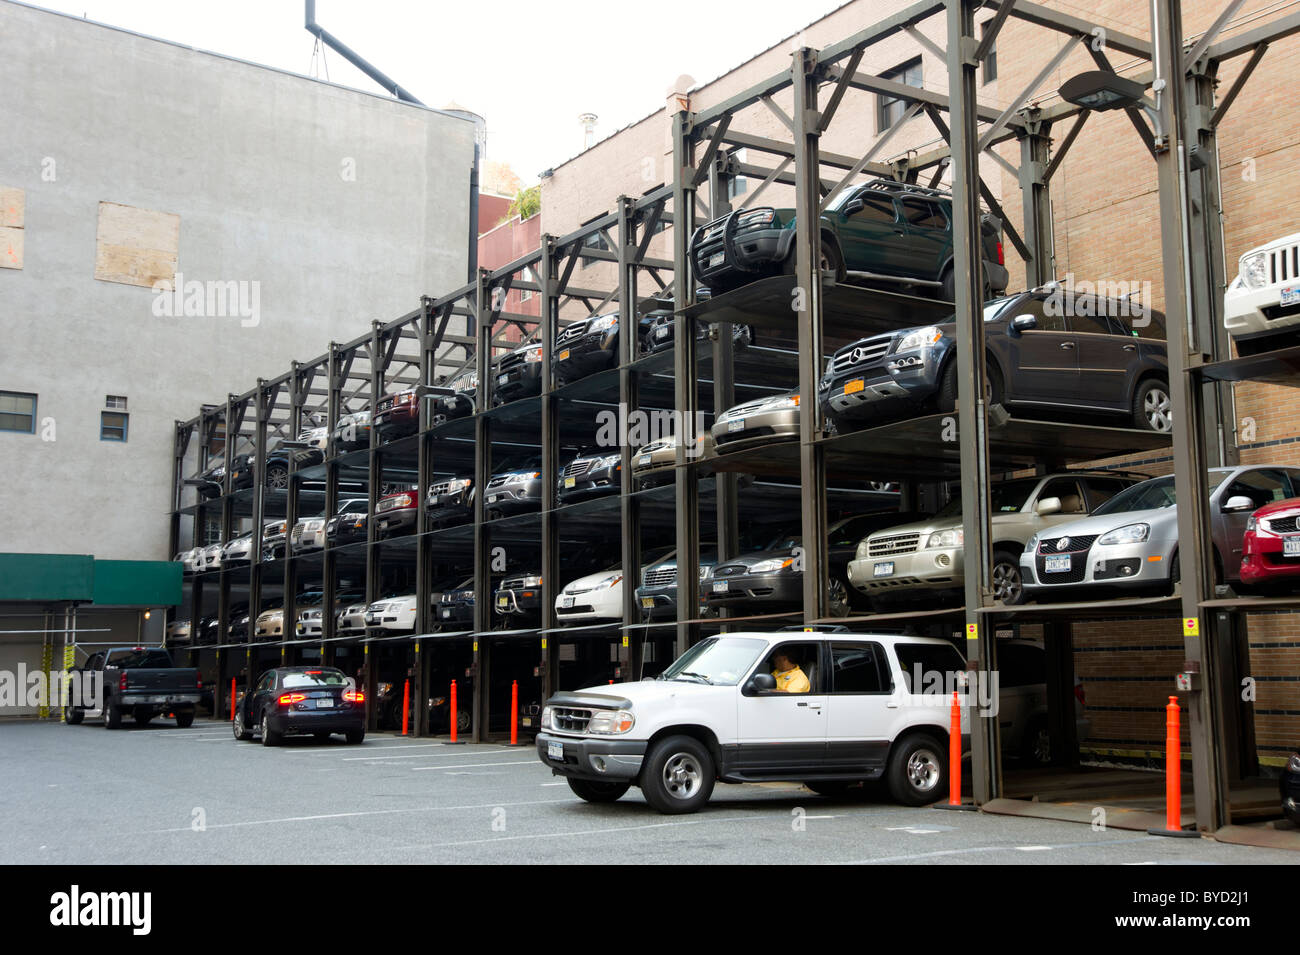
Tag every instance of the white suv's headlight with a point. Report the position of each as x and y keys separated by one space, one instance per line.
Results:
x=953 y=537
x=920 y=338
x=1254 y=269
x=547 y=712
x=610 y=723
x=1128 y=534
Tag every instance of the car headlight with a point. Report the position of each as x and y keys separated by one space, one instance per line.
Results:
x=756 y=218
x=1031 y=545
x=953 y=537
x=461 y=484
x=532 y=581
x=1128 y=534
x=704 y=572
x=771 y=566
x=610 y=460
x=920 y=338
x=610 y=723
x=781 y=401
x=546 y=717
x=610 y=581
x=1254 y=269
x=1251 y=523
x=603 y=323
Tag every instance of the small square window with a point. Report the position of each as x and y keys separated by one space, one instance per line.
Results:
x=17 y=412
x=112 y=426
x=989 y=65
x=888 y=109
x=115 y=402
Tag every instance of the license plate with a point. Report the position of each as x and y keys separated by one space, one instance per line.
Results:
x=644 y=460
x=570 y=482
x=446 y=615
x=854 y=386
x=662 y=332
x=324 y=704
x=737 y=425
x=503 y=601
x=1290 y=295
x=716 y=259
x=527 y=721
x=720 y=586
x=1291 y=547
x=566 y=603
x=1057 y=564
x=564 y=354
x=555 y=750
x=502 y=379
x=883 y=569
x=647 y=603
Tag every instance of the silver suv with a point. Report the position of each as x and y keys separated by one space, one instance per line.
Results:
x=926 y=556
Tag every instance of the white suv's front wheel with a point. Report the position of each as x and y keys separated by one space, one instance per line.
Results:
x=918 y=772
x=678 y=775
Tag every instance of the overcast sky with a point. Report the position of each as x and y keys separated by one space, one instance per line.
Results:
x=529 y=68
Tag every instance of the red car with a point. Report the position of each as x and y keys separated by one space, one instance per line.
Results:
x=1270 y=549
x=398 y=414
x=396 y=513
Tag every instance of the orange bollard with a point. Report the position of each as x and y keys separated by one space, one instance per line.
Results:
x=232 y=698
x=514 y=712
x=1173 y=778
x=954 y=753
x=406 y=707
x=453 y=711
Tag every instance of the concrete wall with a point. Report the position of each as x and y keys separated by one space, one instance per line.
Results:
x=342 y=206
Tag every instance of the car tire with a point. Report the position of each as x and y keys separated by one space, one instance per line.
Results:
x=142 y=717
x=948 y=286
x=918 y=774
x=1175 y=574
x=242 y=733
x=946 y=400
x=1153 y=407
x=269 y=736
x=112 y=716
x=1036 y=747
x=597 y=790
x=355 y=736
x=837 y=598
x=678 y=775
x=73 y=716
x=1008 y=586
x=277 y=477
x=185 y=720
x=830 y=260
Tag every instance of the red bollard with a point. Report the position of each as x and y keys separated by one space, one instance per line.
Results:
x=453 y=711
x=232 y=698
x=1173 y=777
x=406 y=707
x=514 y=712
x=954 y=753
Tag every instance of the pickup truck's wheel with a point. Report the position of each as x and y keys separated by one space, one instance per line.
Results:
x=678 y=775
x=142 y=717
x=594 y=791
x=72 y=716
x=917 y=773
x=112 y=716
x=185 y=720
x=1153 y=407
x=242 y=733
x=269 y=736
x=1007 y=585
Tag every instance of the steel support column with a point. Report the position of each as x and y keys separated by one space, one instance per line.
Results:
x=483 y=535
x=972 y=412
x=1208 y=770
x=629 y=398
x=424 y=559
x=1035 y=155
x=550 y=311
x=724 y=381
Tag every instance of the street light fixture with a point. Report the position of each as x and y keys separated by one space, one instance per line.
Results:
x=1104 y=89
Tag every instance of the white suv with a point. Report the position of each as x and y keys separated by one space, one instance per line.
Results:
x=1263 y=302
x=877 y=705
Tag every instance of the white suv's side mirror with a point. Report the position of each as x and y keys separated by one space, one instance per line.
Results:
x=1048 y=505
x=1238 y=503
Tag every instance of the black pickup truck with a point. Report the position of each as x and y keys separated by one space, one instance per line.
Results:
x=140 y=681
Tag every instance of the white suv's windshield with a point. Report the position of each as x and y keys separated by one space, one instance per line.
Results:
x=1009 y=497
x=718 y=661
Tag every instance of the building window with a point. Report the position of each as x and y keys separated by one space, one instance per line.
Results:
x=17 y=412
x=525 y=295
x=888 y=109
x=737 y=186
x=989 y=65
x=112 y=426
x=594 y=241
x=115 y=402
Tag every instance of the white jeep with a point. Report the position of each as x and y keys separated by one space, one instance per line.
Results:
x=877 y=705
x=1261 y=307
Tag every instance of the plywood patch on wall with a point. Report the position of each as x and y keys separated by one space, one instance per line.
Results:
x=136 y=246
x=12 y=214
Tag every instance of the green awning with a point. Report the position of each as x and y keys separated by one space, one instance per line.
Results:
x=56 y=578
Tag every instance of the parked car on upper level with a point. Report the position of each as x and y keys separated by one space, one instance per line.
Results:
x=285 y=454
x=456 y=606
x=310 y=534
x=179 y=633
x=190 y=560
x=1047 y=349
x=590 y=475
x=751 y=423
x=591 y=598
x=716 y=715
x=657 y=595
x=270 y=623
x=1261 y=308
x=397 y=414
x=514 y=491
x=925 y=559
x=1270 y=548
x=274 y=537
x=211 y=557
x=1131 y=542
x=519 y=596
x=311 y=616
x=653 y=462
x=451 y=501
x=397 y=513
x=457 y=399
x=352 y=432
x=352 y=618
x=880 y=231
x=210 y=482
x=518 y=374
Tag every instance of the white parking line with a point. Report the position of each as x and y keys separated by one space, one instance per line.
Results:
x=587 y=832
x=459 y=755
x=522 y=762
x=369 y=812
x=979 y=849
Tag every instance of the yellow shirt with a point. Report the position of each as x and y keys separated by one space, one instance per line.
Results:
x=792 y=680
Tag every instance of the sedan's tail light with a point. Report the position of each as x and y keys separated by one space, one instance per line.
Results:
x=1001 y=259
x=354 y=696
x=287 y=698
x=1079 y=695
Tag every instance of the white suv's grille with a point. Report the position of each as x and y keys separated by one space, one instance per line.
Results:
x=570 y=719
x=1284 y=264
x=893 y=544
